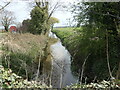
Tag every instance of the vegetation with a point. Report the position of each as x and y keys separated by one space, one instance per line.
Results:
x=27 y=54
x=40 y=25
x=11 y=80
x=40 y=22
x=7 y=19
x=93 y=43
x=104 y=85
x=52 y=21
x=22 y=53
x=100 y=37
x=8 y=79
x=96 y=40
x=71 y=38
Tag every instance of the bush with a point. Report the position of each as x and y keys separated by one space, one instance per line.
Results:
x=8 y=79
x=22 y=53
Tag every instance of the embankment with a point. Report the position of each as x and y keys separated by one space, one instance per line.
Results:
x=23 y=52
x=84 y=45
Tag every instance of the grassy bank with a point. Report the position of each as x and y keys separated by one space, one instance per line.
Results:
x=66 y=34
x=88 y=44
x=23 y=52
x=24 y=58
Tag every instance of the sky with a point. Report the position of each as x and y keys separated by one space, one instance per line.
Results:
x=21 y=10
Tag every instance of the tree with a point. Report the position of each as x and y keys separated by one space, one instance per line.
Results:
x=39 y=20
x=25 y=27
x=98 y=20
x=7 y=19
x=40 y=15
x=50 y=6
x=52 y=21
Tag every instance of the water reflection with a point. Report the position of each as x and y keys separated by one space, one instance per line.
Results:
x=61 y=72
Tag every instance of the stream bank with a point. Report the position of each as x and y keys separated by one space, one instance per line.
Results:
x=60 y=75
x=81 y=47
x=61 y=65
x=22 y=53
x=32 y=56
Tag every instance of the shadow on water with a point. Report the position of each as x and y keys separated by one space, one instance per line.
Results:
x=61 y=63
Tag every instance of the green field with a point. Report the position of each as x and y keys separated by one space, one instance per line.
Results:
x=66 y=33
x=67 y=28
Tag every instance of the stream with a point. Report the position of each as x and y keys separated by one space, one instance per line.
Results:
x=61 y=65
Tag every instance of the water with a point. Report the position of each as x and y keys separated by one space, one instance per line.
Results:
x=61 y=63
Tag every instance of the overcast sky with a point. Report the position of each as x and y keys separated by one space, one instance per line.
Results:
x=21 y=10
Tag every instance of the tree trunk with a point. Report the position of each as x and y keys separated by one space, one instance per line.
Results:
x=52 y=27
x=107 y=54
x=118 y=72
x=6 y=28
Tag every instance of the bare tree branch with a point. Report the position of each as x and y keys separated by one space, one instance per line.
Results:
x=107 y=54
x=7 y=19
x=4 y=6
x=54 y=8
x=83 y=66
x=107 y=14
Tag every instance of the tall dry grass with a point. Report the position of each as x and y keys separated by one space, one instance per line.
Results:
x=22 y=53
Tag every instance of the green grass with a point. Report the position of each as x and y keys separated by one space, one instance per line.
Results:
x=67 y=28
x=23 y=51
x=66 y=31
x=63 y=32
x=66 y=34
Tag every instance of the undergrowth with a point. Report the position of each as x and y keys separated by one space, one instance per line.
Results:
x=22 y=53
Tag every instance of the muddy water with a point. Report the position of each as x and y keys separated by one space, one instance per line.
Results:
x=61 y=63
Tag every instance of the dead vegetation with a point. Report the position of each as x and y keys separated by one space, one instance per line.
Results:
x=23 y=53
x=24 y=42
